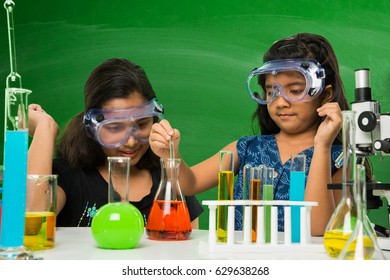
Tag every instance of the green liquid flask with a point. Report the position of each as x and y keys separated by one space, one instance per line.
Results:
x=118 y=224
x=225 y=192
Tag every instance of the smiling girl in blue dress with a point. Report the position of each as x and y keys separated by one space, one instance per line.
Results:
x=300 y=96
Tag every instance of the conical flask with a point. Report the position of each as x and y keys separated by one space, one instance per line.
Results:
x=343 y=220
x=169 y=218
x=118 y=224
x=362 y=243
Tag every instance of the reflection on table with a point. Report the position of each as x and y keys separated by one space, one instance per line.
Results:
x=78 y=244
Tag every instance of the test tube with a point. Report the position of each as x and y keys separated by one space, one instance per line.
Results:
x=297 y=192
x=225 y=192
x=267 y=178
x=252 y=186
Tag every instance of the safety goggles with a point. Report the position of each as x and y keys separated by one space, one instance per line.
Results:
x=308 y=74
x=114 y=127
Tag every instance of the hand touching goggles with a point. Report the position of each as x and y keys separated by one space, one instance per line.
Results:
x=113 y=127
x=309 y=74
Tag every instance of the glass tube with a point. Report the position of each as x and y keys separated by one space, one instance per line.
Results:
x=225 y=192
x=267 y=179
x=297 y=193
x=252 y=191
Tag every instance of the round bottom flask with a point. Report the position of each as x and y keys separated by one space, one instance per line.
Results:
x=117 y=226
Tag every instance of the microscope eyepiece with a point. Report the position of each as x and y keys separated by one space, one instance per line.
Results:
x=362 y=85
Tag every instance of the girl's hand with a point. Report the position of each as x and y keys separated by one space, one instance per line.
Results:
x=36 y=116
x=330 y=126
x=160 y=136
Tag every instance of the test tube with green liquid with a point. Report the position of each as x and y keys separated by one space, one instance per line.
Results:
x=267 y=179
x=225 y=192
x=297 y=193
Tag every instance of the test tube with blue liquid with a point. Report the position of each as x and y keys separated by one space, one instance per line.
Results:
x=225 y=192
x=297 y=193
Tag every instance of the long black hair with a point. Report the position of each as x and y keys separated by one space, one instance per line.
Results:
x=304 y=45
x=114 y=78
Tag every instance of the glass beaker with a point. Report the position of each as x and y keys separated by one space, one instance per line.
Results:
x=297 y=193
x=225 y=192
x=41 y=208
x=118 y=224
x=343 y=219
x=362 y=243
x=169 y=218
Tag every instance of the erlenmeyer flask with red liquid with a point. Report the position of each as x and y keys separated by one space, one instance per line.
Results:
x=169 y=218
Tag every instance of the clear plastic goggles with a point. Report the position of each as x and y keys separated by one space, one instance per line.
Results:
x=114 y=127
x=308 y=74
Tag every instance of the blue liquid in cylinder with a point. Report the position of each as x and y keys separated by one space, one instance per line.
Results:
x=14 y=188
x=297 y=193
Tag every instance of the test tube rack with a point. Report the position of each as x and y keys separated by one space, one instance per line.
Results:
x=237 y=243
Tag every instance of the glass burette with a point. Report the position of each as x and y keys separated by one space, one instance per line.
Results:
x=15 y=156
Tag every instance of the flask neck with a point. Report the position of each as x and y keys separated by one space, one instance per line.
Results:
x=169 y=188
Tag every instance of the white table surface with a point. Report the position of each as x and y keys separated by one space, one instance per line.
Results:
x=78 y=244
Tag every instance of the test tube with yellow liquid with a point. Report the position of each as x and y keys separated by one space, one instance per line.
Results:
x=225 y=192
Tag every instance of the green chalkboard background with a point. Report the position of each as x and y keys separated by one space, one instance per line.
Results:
x=196 y=53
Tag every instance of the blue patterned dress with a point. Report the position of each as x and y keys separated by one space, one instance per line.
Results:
x=263 y=149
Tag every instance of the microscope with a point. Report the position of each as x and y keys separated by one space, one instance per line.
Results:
x=372 y=138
